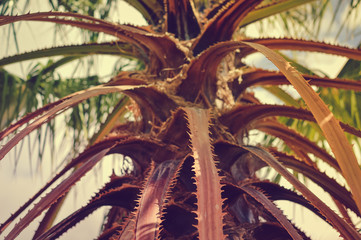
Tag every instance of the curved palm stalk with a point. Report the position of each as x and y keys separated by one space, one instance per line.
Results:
x=275 y=192
x=29 y=117
x=10 y=19
x=329 y=125
x=239 y=121
x=346 y=230
x=57 y=192
x=328 y=184
x=297 y=141
x=259 y=77
x=67 y=102
x=303 y=45
x=261 y=198
x=246 y=114
x=111 y=195
x=109 y=48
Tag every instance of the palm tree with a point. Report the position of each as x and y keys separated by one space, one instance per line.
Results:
x=192 y=109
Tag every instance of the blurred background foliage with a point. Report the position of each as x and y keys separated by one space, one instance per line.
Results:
x=43 y=81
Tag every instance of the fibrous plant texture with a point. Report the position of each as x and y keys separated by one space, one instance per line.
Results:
x=194 y=176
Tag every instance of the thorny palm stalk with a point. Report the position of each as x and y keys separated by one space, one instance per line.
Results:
x=193 y=176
